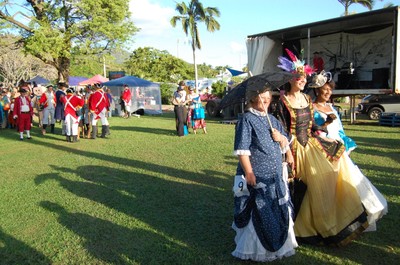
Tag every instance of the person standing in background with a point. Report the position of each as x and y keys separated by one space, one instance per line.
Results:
x=196 y=114
x=48 y=102
x=59 y=111
x=127 y=98
x=318 y=62
x=71 y=104
x=179 y=102
x=111 y=101
x=99 y=105
x=23 y=112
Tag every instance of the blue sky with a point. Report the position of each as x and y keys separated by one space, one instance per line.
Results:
x=238 y=20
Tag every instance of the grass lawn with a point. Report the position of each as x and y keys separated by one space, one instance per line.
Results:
x=146 y=196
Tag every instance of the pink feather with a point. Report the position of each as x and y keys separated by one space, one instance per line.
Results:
x=291 y=55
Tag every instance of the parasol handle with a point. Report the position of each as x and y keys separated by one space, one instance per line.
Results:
x=266 y=111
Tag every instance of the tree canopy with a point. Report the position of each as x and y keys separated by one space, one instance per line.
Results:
x=58 y=29
x=160 y=66
x=366 y=3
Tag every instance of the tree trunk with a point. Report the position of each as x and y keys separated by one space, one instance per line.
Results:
x=63 y=65
x=195 y=67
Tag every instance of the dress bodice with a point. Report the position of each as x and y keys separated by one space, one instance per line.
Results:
x=297 y=121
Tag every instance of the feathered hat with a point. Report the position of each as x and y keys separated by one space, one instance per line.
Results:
x=294 y=65
x=318 y=80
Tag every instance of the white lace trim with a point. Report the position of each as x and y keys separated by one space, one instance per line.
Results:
x=258 y=113
x=242 y=152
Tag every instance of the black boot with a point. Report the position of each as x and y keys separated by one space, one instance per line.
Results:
x=103 y=131
x=75 y=138
x=94 y=132
x=52 y=128
x=44 y=129
x=68 y=138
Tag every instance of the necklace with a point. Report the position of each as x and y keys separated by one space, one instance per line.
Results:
x=322 y=104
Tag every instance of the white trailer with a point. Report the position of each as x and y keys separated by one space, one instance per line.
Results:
x=361 y=51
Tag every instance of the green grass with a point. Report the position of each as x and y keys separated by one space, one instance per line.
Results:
x=146 y=196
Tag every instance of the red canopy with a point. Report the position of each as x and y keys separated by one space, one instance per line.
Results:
x=95 y=79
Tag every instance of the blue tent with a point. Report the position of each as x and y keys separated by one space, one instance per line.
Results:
x=75 y=80
x=146 y=95
x=129 y=80
x=39 y=80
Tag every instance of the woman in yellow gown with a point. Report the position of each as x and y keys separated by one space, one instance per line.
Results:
x=331 y=210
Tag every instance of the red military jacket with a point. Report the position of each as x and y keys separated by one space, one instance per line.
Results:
x=71 y=104
x=43 y=100
x=98 y=100
x=126 y=95
x=18 y=103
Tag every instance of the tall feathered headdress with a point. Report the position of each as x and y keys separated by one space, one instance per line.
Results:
x=294 y=65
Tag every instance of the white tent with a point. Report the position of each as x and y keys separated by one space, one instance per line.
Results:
x=146 y=95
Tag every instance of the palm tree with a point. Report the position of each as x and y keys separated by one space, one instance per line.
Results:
x=192 y=14
x=346 y=3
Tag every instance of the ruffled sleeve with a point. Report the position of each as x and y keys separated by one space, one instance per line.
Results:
x=243 y=137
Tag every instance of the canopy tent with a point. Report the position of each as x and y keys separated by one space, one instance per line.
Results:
x=94 y=80
x=146 y=95
x=39 y=80
x=75 y=80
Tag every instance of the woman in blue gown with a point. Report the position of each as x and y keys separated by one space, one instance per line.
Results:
x=263 y=216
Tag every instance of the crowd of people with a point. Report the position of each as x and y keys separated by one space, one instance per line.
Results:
x=188 y=109
x=78 y=111
x=295 y=181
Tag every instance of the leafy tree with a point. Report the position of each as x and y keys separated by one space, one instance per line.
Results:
x=192 y=14
x=167 y=90
x=16 y=66
x=157 y=66
x=207 y=70
x=346 y=3
x=59 y=29
x=219 y=88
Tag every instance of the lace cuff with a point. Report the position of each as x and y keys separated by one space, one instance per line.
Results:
x=285 y=145
x=242 y=152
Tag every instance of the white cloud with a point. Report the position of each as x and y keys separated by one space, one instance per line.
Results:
x=151 y=18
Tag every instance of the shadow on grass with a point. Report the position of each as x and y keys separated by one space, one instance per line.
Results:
x=184 y=213
x=145 y=130
x=13 y=251
x=116 y=244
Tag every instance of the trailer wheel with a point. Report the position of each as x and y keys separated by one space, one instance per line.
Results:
x=375 y=113
x=212 y=108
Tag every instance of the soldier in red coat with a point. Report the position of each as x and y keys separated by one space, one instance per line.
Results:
x=23 y=112
x=98 y=106
x=48 y=101
x=127 y=98
x=71 y=103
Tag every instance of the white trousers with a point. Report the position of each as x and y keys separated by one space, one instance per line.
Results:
x=103 y=118
x=48 y=114
x=71 y=125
